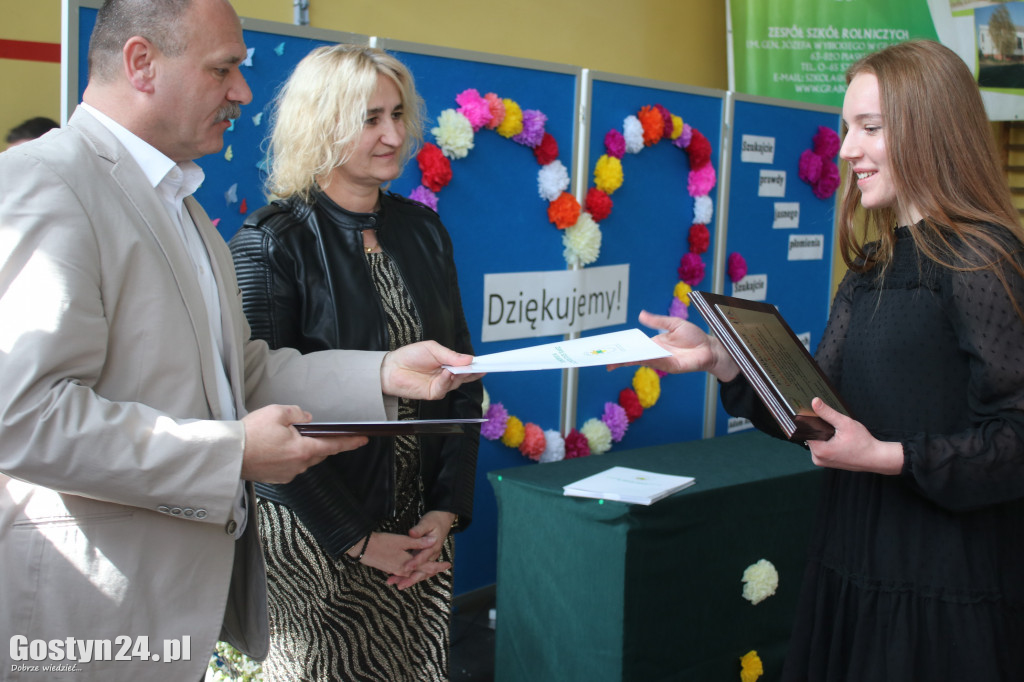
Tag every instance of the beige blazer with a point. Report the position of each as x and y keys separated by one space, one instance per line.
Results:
x=117 y=475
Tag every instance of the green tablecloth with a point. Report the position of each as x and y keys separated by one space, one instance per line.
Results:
x=597 y=590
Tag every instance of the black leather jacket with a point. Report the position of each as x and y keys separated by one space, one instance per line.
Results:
x=306 y=284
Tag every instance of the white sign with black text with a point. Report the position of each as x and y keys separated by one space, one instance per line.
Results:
x=520 y=305
x=806 y=246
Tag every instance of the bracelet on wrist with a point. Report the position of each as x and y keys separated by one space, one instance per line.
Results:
x=362 y=552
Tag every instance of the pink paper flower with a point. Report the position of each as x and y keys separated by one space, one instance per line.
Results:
x=809 y=167
x=828 y=183
x=475 y=108
x=701 y=180
x=615 y=144
x=534 y=441
x=826 y=142
x=691 y=269
x=737 y=267
x=666 y=118
x=497 y=106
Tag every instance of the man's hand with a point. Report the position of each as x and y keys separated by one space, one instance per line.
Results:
x=692 y=349
x=275 y=452
x=415 y=371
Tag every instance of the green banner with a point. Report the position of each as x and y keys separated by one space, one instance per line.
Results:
x=800 y=49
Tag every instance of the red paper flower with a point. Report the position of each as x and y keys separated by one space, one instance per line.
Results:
x=699 y=150
x=699 y=238
x=533 y=441
x=653 y=124
x=435 y=166
x=599 y=204
x=564 y=211
x=576 y=445
x=547 y=150
x=631 y=404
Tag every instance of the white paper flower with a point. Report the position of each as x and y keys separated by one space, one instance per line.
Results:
x=703 y=209
x=598 y=435
x=453 y=134
x=760 y=581
x=486 y=401
x=552 y=180
x=582 y=241
x=633 y=131
x=554 y=447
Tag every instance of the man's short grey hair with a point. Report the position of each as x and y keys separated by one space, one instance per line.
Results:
x=161 y=22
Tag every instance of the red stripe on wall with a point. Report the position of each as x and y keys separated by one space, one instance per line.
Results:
x=30 y=51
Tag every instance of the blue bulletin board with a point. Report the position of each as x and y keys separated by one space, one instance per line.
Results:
x=498 y=223
x=776 y=272
x=648 y=228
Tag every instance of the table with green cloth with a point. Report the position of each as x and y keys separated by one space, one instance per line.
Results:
x=595 y=590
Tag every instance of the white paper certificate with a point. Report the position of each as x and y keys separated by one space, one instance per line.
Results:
x=631 y=345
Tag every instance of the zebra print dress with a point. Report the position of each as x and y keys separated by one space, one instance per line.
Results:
x=335 y=620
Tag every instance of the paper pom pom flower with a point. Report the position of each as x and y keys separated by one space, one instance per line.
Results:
x=608 y=174
x=683 y=141
x=631 y=404
x=453 y=134
x=598 y=435
x=497 y=106
x=816 y=167
x=564 y=211
x=809 y=167
x=576 y=445
x=616 y=420
x=701 y=181
x=666 y=120
x=682 y=292
x=425 y=197
x=677 y=127
x=691 y=269
x=828 y=183
x=614 y=144
x=475 y=108
x=702 y=210
x=678 y=309
x=699 y=238
x=751 y=667
x=512 y=124
x=699 y=149
x=435 y=167
x=547 y=150
x=826 y=142
x=552 y=180
x=514 y=432
x=647 y=385
x=497 y=419
x=737 y=267
x=582 y=241
x=485 y=402
x=534 y=441
x=760 y=581
x=652 y=123
x=633 y=132
x=554 y=447
x=598 y=204
x=533 y=129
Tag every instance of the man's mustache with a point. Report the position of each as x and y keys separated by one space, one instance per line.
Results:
x=229 y=111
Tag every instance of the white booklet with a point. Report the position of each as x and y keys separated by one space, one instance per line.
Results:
x=624 y=484
x=630 y=345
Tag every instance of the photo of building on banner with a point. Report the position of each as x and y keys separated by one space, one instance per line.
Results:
x=800 y=50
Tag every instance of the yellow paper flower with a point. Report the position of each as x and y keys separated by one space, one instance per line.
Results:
x=647 y=385
x=682 y=292
x=512 y=124
x=514 y=432
x=608 y=174
x=677 y=126
x=598 y=436
x=760 y=581
x=750 y=667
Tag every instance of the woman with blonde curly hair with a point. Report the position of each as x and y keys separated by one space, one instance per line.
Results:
x=915 y=563
x=358 y=548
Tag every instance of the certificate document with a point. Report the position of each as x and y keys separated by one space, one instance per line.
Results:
x=631 y=345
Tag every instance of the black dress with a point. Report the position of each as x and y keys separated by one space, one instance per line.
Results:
x=918 y=576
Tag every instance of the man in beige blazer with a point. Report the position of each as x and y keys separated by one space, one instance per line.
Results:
x=132 y=402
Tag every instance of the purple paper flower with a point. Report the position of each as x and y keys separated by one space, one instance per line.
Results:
x=533 y=128
x=497 y=420
x=678 y=309
x=425 y=197
x=615 y=419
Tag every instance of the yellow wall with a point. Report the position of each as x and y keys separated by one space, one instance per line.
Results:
x=680 y=41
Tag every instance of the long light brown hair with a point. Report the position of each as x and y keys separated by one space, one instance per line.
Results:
x=944 y=163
